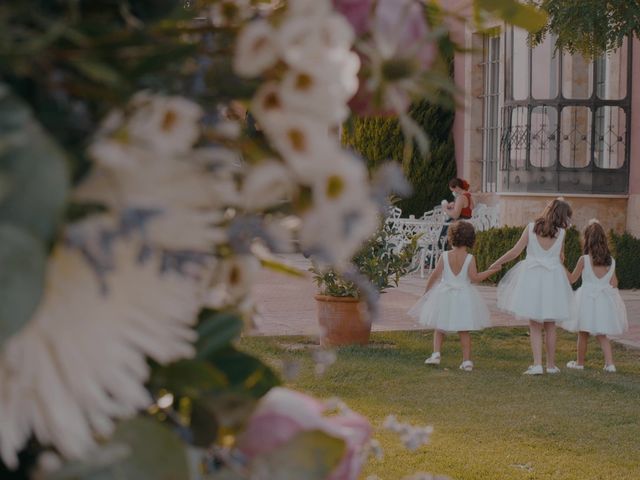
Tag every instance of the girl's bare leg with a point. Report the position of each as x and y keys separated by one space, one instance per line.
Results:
x=583 y=340
x=438 y=338
x=550 y=340
x=465 y=343
x=535 y=336
x=605 y=344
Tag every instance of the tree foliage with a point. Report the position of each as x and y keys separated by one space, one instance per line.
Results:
x=590 y=27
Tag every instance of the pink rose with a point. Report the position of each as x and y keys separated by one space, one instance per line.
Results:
x=283 y=413
x=358 y=12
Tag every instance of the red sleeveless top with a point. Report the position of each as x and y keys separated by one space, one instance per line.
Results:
x=466 y=212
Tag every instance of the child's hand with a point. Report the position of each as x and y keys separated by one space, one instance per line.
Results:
x=495 y=266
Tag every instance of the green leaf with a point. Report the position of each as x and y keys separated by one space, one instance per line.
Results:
x=311 y=455
x=98 y=71
x=281 y=267
x=221 y=410
x=204 y=425
x=157 y=452
x=143 y=450
x=188 y=378
x=512 y=11
x=33 y=169
x=246 y=374
x=22 y=270
x=216 y=330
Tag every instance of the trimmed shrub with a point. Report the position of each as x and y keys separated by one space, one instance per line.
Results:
x=380 y=140
x=492 y=244
x=625 y=248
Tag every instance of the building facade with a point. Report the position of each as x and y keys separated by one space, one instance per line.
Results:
x=536 y=124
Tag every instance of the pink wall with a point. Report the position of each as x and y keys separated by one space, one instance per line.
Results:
x=458 y=120
x=634 y=174
x=457 y=28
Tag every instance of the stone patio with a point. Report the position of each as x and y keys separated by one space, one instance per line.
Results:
x=287 y=306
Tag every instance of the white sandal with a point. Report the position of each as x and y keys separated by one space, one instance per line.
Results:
x=534 y=370
x=434 y=359
x=573 y=365
x=467 y=366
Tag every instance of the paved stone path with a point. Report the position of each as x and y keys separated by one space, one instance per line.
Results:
x=287 y=305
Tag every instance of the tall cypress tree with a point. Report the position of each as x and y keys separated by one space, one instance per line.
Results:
x=380 y=139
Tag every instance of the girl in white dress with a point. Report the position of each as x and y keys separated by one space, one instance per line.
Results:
x=537 y=288
x=598 y=308
x=454 y=305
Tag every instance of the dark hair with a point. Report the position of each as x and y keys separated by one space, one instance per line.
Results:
x=461 y=234
x=595 y=244
x=555 y=216
x=460 y=183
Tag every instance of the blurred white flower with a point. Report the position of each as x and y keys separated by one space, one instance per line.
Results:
x=340 y=179
x=182 y=229
x=335 y=231
x=81 y=360
x=267 y=102
x=302 y=141
x=173 y=204
x=323 y=98
x=323 y=360
x=255 y=49
x=267 y=184
x=308 y=43
x=413 y=437
x=376 y=449
x=232 y=280
x=115 y=152
x=167 y=125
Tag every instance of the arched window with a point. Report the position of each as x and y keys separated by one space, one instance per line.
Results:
x=565 y=120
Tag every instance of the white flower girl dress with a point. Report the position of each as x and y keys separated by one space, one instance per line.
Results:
x=598 y=307
x=454 y=304
x=537 y=288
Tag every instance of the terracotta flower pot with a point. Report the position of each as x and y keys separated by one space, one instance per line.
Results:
x=343 y=321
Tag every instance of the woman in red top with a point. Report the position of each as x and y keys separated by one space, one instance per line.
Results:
x=462 y=207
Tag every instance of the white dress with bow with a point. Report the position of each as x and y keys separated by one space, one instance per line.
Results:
x=454 y=304
x=537 y=288
x=598 y=307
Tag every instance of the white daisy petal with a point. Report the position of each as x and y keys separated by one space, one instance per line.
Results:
x=266 y=185
x=255 y=49
x=52 y=374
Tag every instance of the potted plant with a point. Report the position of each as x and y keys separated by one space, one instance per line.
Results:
x=382 y=260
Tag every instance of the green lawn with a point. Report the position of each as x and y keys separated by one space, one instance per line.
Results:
x=490 y=424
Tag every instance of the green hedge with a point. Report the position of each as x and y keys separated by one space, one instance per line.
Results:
x=493 y=243
x=626 y=250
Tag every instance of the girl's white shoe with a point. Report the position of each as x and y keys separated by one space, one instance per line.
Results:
x=610 y=368
x=434 y=359
x=534 y=370
x=467 y=366
x=553 y=370
x=574 y=365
